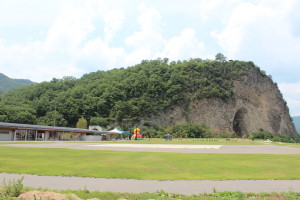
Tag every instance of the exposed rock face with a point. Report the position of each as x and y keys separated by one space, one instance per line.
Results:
x=257 y=104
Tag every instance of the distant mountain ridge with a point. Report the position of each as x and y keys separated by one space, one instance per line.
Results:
x=7 y=84
x=296 y=121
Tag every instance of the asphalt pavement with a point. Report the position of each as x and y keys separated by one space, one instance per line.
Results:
x=186 y=187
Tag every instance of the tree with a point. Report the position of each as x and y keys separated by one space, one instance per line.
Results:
x=82 y=123
x=99 y=121
x=52 y=118
x=220 y=57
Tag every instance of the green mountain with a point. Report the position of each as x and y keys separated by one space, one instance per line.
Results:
x=296 y=121
x=227 y=96
x=141 y=90
x=7 y=84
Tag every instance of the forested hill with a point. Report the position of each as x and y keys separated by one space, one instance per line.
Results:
x=7 y=84
x=144 y=89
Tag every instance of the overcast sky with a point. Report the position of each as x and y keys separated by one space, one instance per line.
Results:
x=40 y=40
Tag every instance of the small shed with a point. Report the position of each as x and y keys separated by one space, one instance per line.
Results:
x=168 y=137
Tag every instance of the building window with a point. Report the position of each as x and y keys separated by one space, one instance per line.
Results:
x=20 y=135
x=31 y=134
x=23 y=135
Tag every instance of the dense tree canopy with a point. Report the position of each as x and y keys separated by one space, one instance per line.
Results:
x=144 y=89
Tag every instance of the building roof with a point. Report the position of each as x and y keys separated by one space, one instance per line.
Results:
x=45 y=128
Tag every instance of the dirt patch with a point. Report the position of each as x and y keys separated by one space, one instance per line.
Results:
x=276 y=196
x=40 y=195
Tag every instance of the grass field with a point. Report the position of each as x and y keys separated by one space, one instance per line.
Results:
x=287 y=144
x=27 y=142
x=145 y=165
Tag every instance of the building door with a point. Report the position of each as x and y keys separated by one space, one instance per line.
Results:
x=5 y=136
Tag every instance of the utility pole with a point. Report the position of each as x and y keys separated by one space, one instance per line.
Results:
x=54 y=117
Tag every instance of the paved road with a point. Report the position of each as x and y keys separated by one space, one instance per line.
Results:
x=138 y=186
x=256 y=149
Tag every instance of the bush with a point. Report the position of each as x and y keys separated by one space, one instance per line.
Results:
x=283 y=138
x=260 y=135
x=186 y=130
x=275 y=138
x=11 y=189
x=148 y=132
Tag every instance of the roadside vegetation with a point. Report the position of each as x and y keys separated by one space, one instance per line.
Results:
x=14 y=189
x=161 y=195
x=139 y=165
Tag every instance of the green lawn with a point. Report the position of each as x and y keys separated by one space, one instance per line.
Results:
x=27 y=142
x=146 y=165
x=287 y=144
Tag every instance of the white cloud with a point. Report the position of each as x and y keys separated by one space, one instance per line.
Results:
x=29 y=61
x=184 y=46
x=70 y=29
x=148 y=42
x=98 y=51
x=113 y=22
x=261 y=31
x=209 y=7
x=239 y=25
x=150 y=19
x=291 y=93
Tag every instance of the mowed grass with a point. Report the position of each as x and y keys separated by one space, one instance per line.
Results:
x=146 y=165
x=287 y=144
x=27 y=142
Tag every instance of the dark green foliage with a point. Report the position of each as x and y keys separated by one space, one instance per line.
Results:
x=186 y=130
x=122 y=94
x=99 y=121
x=7 y=84
x=15 y=112
x=275 y=138
x=261 y=135
x=220 y=57
x=285 y=138
x=180 y=130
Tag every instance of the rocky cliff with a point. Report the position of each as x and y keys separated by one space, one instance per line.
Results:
x=257 y=104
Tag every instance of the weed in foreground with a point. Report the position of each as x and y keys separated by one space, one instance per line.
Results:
x=11 y=189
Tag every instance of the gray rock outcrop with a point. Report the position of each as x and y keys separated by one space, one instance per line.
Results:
x=257 y=104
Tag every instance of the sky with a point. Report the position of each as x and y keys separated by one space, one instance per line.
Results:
x=41 y=40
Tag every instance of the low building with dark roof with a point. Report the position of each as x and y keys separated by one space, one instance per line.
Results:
x=28 y=132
